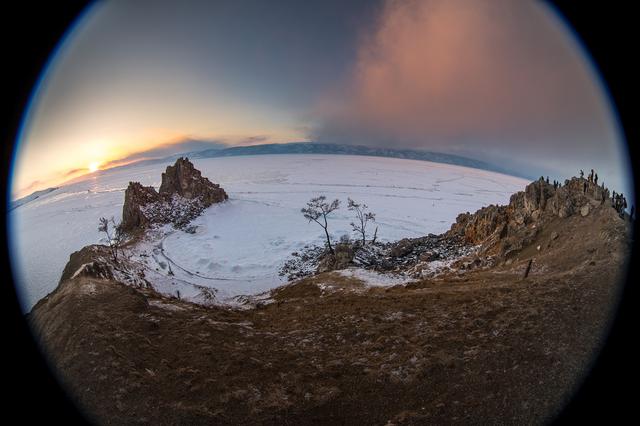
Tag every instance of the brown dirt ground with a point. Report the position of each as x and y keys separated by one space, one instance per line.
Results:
x=484 y=346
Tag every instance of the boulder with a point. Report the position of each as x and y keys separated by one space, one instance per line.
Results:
x=584 y=210
x=402 y=248
x=429 y=256
x=342 y=258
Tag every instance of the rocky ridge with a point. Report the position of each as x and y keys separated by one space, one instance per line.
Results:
x=491 y=235
x=503 y=230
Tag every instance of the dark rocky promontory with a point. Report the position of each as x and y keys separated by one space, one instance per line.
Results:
x=184 y=194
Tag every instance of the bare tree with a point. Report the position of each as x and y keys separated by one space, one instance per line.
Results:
x=317 y=210
x=363 y=216
x=115 y=236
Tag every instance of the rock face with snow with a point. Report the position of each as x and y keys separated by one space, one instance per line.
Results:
x=185 y=180
x=184 y=194
x=502 y=229
x=135 y=198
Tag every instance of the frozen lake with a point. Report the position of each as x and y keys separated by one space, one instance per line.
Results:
x=240 y=245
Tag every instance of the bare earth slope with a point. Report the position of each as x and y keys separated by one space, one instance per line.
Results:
x=479 y=346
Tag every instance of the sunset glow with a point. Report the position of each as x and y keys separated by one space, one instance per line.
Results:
x=94 y=166
x=502 y=82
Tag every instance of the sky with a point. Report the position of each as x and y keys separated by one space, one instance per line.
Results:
x=501 y=81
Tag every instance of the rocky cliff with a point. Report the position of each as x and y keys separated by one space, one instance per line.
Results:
x=135 y=198
x=185 y=180
x=184 y=194
x=503 y=229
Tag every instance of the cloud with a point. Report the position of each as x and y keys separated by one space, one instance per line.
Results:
x=185 y=146
x=495 y=79
x=32 y=186
x=76 y=171
x=254 y=140
x=166 y=150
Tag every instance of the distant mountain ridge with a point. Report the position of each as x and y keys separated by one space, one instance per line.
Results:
x=304 y=148
x=33 y=196
x=338 y=149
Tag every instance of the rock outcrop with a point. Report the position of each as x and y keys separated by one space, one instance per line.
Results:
x=502 y=229
x=184 y=194
x=136 y=197
x=185 y=180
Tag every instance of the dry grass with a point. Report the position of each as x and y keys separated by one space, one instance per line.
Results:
x=481 y=347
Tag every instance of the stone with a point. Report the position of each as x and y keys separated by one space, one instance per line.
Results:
x=401 y=248
x=584 y=210
x=554 y=235
x=428 y=256
x=342 y=258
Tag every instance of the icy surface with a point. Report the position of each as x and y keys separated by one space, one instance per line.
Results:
x=239 y=245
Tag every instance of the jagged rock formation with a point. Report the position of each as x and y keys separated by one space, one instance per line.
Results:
x=503 y=229
x=185 y=180
x=135 y=198
x=184 y=194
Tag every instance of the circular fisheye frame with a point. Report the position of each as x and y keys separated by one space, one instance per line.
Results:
x=356 y=212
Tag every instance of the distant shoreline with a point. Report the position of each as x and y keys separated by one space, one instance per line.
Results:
x=302 y=148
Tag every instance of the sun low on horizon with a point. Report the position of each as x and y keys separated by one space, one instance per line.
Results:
x=94 y=166
x=381 y=74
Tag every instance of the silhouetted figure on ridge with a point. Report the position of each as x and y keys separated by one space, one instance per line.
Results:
x=595 y=180
x=581 y=174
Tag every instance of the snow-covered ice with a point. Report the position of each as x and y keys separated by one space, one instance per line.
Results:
x=239 y=245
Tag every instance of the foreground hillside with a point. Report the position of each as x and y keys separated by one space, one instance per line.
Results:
x=479 y=345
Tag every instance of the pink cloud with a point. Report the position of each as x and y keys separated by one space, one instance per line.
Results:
x=470 y=75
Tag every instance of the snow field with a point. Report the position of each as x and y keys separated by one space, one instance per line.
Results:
x=239 y=245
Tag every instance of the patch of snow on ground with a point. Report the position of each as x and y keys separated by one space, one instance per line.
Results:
x=373 y=278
